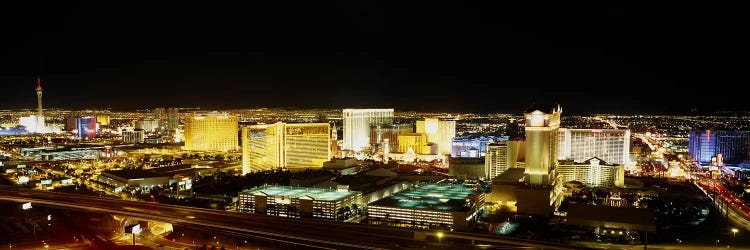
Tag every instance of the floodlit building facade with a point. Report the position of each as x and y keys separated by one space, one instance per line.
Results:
x=149 y=125
x=211 y=132
x=542 y=128
x=357 y=124
x=442 y=205
x=297 y=202
x=285 y=146
x=103 y=120
x=87 y=127
x=501 y=156
x=416 y=141
x=610 y=145
x=438 y=132
x=473 y=147
x=135 y=136
x=706 y=145
x=173 y=118
x=379 y=133
x=593 y=172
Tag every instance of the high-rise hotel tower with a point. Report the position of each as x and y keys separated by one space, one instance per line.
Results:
x=211 y=132
x=357 y=124
x=542 y=125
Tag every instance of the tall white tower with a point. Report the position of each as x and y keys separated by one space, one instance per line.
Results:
x=39 y=96
x=357 y=124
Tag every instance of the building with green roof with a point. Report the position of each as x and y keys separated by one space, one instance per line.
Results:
x=448 y=204
x=298 y=202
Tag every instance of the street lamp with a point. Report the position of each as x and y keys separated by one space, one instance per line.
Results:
x=440 y=237
x=734 y=237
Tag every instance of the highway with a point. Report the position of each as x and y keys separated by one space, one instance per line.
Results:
x=736 y=211
x=301 y=233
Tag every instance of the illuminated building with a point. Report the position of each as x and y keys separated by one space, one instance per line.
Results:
x=380 y=132
x=415 y=141
x=538 y=191
x=501 y=156
x=160 y=115
x=173 y=118
x=136 y=136
x=542 y=125
x=439 y=132
x=285 y=146
x=357 y=123
x=297 y=202
x=705 y=145
x=505 y=188
x=256 y=146
x=443 y=205
x=33 y=124
x=103 y=120
x=473 y=147
x=167 y=119
x=386 y=150
x=39 y=98
x=211 y=132
x=334 y=141
x=609 y=145
x=593 y=172
x=87 y=127
x=149 y=125
x=36 y=123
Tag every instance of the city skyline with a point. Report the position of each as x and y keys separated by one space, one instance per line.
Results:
x=354 y=125
x=137 y=57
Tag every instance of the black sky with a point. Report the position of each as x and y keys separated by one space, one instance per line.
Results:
x=458 y=57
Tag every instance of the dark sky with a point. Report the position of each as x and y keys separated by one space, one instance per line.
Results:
x=425 y=57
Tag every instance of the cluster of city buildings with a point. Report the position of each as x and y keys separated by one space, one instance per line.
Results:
x=522 y=175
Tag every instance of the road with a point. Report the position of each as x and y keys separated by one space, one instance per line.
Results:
x=300 y=233
x=731 y=206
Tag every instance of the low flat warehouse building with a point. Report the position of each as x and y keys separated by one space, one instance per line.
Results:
x=448 y=204
x=133 y=178
x=297 y=202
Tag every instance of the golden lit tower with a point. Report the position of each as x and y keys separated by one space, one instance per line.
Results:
x=293 y=146
x=542 y=124
x=39 y=96
x=211 y=132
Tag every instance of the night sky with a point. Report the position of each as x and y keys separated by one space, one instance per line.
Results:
x=423 y=57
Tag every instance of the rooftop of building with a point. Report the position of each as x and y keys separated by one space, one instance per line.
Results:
x=480 y=137
x=368 y=110
x=297 y=192
x=133 y=173
x=211 y=114
x=586 y=162
x=170 y=169
x=447 y=195
x=511 y=175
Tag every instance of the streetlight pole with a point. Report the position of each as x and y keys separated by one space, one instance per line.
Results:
x=734 y=237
